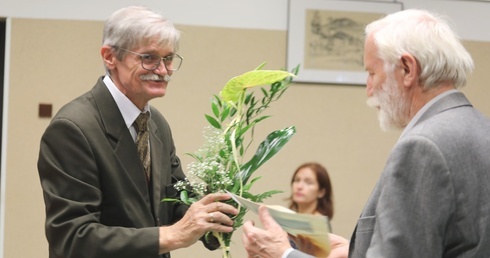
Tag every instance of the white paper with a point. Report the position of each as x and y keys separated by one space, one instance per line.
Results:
x=314 y=227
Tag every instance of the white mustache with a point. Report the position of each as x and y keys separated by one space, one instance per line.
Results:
x=155 y=77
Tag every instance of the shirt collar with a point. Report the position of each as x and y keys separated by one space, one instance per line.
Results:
x=128 y=110
x=424 y=109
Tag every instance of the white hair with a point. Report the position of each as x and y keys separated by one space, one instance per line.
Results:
x=429 y=38
x=135 y=26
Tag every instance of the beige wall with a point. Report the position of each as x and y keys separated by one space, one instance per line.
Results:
x=55 y=61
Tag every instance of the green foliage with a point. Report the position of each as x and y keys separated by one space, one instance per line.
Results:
x=219 y=165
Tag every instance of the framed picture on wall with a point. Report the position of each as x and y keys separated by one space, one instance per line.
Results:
x=326 y=38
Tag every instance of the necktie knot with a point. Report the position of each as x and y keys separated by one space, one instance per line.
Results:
x=141 y=123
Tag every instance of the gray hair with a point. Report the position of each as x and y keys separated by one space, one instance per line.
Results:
x=134 y=26
x=429 y=38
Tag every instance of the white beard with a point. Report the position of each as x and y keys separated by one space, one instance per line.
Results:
x=393 y=105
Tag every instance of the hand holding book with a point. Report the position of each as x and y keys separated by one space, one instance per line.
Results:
x=310 y=232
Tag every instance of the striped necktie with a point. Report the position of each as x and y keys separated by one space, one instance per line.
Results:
x=142 y=141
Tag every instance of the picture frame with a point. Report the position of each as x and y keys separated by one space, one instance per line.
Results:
x=326 y=38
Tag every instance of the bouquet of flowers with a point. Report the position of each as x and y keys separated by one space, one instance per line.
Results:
x=219 y=165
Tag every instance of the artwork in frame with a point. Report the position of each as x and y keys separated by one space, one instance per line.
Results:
x=326 y=38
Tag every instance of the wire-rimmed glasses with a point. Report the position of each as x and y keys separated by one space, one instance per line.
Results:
x=151 y=62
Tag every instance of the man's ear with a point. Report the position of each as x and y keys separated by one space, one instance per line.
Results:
x=410 y=70
x=108 y=56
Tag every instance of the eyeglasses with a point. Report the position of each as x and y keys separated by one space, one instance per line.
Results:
x=151 y=62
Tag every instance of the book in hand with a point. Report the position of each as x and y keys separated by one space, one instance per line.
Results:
x=305 y=227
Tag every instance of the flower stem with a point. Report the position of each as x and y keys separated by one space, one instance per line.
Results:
x=225 y=250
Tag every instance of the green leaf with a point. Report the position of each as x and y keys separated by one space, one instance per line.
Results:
x=247 y=195
x=218 y=100
x=184 y=196
x=213 y=121
x=296 y=69
x=195 y=156
x=262 y=196
x=264 y=92
x=247 y=98
x=215 y=109
x=242 y=150
x=225 y=113
x=249 y=185
x=243 y=130
x=236 y=186
x=260 y=66
x=235 y=87
x=260 y=119
x=267 y=149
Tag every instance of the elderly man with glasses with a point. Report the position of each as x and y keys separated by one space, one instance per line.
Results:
x=107 y=159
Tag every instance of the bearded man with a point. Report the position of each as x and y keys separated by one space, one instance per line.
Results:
x=432 y=199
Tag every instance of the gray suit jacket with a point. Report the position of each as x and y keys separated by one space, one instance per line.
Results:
x=95 y=192
x=298 y=254
x=433 y=198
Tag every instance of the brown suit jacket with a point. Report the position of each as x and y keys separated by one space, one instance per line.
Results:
x=95 y=192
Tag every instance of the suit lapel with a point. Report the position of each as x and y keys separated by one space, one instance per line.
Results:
x=120 y=138
x=156 y=166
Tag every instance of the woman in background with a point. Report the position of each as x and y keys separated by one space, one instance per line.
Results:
x=311 y=193
x=311 y=190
